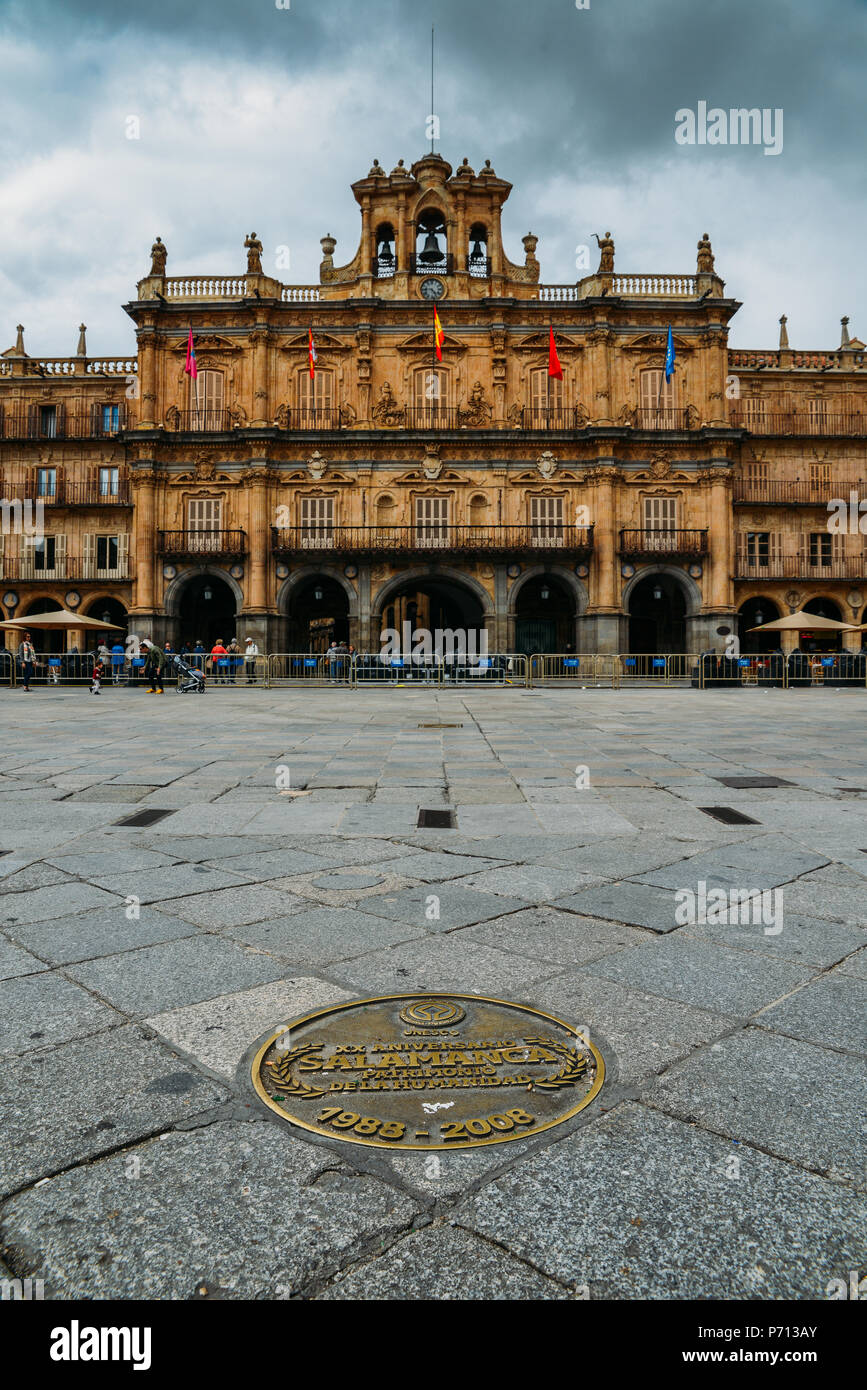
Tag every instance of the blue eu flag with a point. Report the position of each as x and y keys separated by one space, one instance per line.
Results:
x=669 y=356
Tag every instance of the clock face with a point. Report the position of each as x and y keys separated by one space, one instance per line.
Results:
x=432 y=288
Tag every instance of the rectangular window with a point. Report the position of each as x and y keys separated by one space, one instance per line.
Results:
x=658 y=409
x=315 y=400
x=820 y=477
x=44 y=553
x=430 y=398
x=754 y=412
x=110 y=419
x=204 y=523
x=820 y=549
x=758 y=547
x=317 y=521
x=109 y=482
x=817 y=415
x=206 y=401
x=48 y=421
x=46 y=482
x=432 y=521
x=546 y=520
x=107 y=548
x=546 y=398
x=660 y=513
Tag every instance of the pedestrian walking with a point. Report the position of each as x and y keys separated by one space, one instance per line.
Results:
x=96 y=677
x=153 y=668
x=251 y=652
x=27 y=657
x=198 y=655
x=233 y=660
x=118 y=655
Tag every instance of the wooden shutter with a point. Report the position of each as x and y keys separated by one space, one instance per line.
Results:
x=60 y=557
x=660 y=513
x=123 y=555
x=205 y=520
x=658 y=399
x=820 y=476
x=25 y=557
x=544 y=395
x=317 y=521
x=432 y=521
x=88 y=552
x=33 y=422
x=30 y=483
x=546 y=520
x=817 y=411
x=60 y=422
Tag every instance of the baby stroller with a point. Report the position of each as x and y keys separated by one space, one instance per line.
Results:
x=189 y=679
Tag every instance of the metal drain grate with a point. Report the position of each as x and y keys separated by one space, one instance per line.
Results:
x=148 y=817
x=746 y=782
x=436 y=820
x=440 y=726
x=728 y=815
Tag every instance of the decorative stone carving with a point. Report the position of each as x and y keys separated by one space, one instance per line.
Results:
x=660 y=466
x=626 y=415
x=158 y=258
x=514 y=414
x=386 y=411
x=205 y=467
x=238 y=415
x=582 y=416
x=254 y=254
x=692 y=417
x=317 y=466
x=431 y=463
x=173 y=417
x=477 y=411
x=547 y=464
x=704 y=262
x=282 y=416
x=347 y=414
x=606 y=254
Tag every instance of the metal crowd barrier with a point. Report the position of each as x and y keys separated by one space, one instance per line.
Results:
x=7 y=668
x=308 y=668
x=655 y=668
x=572 y=668
x=775 y=669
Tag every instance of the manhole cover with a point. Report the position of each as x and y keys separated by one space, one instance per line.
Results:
x=728 y=815
x=745 y=782
x=435 y=819
x=439 y=1071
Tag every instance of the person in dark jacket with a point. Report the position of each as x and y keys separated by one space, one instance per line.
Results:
x=153 y=668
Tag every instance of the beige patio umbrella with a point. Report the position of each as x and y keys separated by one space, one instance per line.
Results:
x=804 y=622
x=58 y=618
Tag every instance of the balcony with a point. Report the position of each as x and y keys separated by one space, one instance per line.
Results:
x=320 y=417
x=443 y=265
x=206 y=421
x=16 y=569
x=650 y=544
x=194 y=545
x=665 y=418
x=801 y=423
x=503 y=541
x=796 y=492
x=799 y=567
x=555 y=418
x=56 y=422
x=72 y=494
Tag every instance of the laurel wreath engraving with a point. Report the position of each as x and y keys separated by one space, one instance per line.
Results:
x=281 y=1072
x=573 y=1069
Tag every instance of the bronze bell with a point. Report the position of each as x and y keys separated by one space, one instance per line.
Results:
x=431 y=250
x=477 y=254
x=384 y=253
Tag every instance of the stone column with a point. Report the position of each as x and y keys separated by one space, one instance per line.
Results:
x=261 y=406
x=144 y=517
x=259 y=541
x=718 y=595
x=147 y=385
x=599 y=629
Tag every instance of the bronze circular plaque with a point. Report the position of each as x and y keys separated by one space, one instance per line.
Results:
x=427 y=1071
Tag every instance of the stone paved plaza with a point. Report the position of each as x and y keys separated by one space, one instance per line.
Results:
x=723 y=1157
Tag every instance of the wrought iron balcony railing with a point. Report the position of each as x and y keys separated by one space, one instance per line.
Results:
x=27 y=569
x=801 y=567
x=320 y=417
x=479 y=268
x=577 y=541
x=797 y=492
x=58 y=422
x=196 y=543
x=553 y=418
x=204 y=421
x=443 y=265
x=652 y=543
x=800 y=423
x=665 y=418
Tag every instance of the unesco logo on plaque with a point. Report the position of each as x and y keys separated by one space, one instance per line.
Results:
x=433 y=1071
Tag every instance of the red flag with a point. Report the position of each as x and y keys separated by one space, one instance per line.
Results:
x=439 y=335
x=554 y=368
x=190 y=364
x=311 y=353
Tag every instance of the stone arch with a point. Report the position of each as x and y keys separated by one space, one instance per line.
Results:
x=691 y=590
x=567 y=578
x=174 y=592
x=300 y=577
x=422 y=572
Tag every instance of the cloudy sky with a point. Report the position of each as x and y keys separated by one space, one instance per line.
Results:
x=254 y=116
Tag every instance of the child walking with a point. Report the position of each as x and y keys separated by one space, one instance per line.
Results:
x=97 y=676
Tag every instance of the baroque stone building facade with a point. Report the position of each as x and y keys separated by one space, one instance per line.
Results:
x=608 y=511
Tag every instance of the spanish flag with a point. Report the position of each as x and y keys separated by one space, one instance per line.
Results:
x=311 y=353
x=439 y=335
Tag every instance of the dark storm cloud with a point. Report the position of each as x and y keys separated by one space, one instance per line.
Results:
x=256 y=115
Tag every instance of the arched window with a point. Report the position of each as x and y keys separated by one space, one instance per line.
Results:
x=206 y=401
x=478 y=260
x=316 y=401
x=384 y=258
x=658 y=408
x=546 y=400
x=431 y=245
